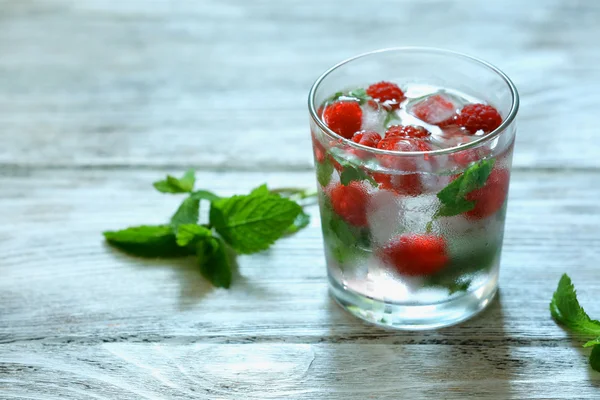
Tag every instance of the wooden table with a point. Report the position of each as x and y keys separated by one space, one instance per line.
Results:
x=99 y=98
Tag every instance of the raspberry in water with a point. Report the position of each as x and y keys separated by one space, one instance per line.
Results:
x=350 y=203
x=343 y=117
x=475 y=117
x=416 y=254
x=491 y=197
x=387 y=93
x=407 y=131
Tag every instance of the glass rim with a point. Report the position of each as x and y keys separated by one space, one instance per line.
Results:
x=483 y=139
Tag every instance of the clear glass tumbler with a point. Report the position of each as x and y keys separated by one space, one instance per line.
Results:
x=426 y=253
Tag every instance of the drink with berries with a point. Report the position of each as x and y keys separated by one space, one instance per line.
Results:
x=413 y=152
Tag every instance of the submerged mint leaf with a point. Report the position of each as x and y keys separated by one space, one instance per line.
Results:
x=324 y=171
x=360 y=94
x=214 y=262
x=351 y=172
x=565 y=309
x=391 y=115
x=174 y=185
x=147 y=241
x=189 y=233
x=187 y=213
x=453 y=195
x=254 y=222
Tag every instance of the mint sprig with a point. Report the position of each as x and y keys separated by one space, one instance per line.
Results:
x=566 y=310
x=174 y=185
x=244 y=223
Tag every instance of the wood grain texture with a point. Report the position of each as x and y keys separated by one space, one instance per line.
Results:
x=135 y=82
x=99 y=98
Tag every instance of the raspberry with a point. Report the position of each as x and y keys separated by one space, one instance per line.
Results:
x=399 y=143
x=407 y=185
x=386 y=92
x=343 y=117
x=350 y=203
x=416 y=254
x=407 y=131
x=434 y=110
x=474 y=117
x=489 y=198
x=367 y=138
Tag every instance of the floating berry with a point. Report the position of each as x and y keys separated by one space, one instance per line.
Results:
x=434 y=110
x=475 y=117
x=367 y=138
x=407 y=131
x=350 y=203
x=416 y=254
x=490 y=197
x=387 y=93
x=343 y=117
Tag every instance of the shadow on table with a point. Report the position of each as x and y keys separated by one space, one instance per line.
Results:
x=192 y=285
x=473 y=358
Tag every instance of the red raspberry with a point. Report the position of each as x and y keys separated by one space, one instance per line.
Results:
x=416 y=254
x=386 y=92
x=434 y=110
x=474 y=117
x=489 y=198
x=367 y=138
x=406 y=185
x=350 y=203
x=343 y=117
x=407 y=131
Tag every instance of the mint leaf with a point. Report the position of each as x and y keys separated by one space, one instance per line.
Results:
x=595 y=358
x=591 y=343
x=252 y=223
x=452 y=196
x=214 y=262
x=359 y=94
x=301 y=221
x=147 y=241
x=174 y=185
x=204 y=195
x=187 y=213
x=262 y=190
x=324 y=171
x=351 y=173
x=565 y=309
x=189 y=233
x=391 y=115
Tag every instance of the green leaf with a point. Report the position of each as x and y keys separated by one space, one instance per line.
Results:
x=252 y=223
x=565 y=309
x=147 y=241
x=174 y=185
x=301 y=221
x=189 y=233
x=452 y=196
x=261 y=190
x=391 y=115
x=187 y=213
x=204 y=195
x=360 y=94
x=595 y=358
x=324 y=171
x=591 y=343
x=214 y=262
x=351 y=172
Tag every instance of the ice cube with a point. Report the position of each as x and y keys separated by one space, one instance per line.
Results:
x=373 y=117
x=384 y=215
x=435 y=108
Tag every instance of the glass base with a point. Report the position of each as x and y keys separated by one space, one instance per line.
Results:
x=414 y=317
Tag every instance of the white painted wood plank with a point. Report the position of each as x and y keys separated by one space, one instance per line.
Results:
x=294 y=371
x=223 y=84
